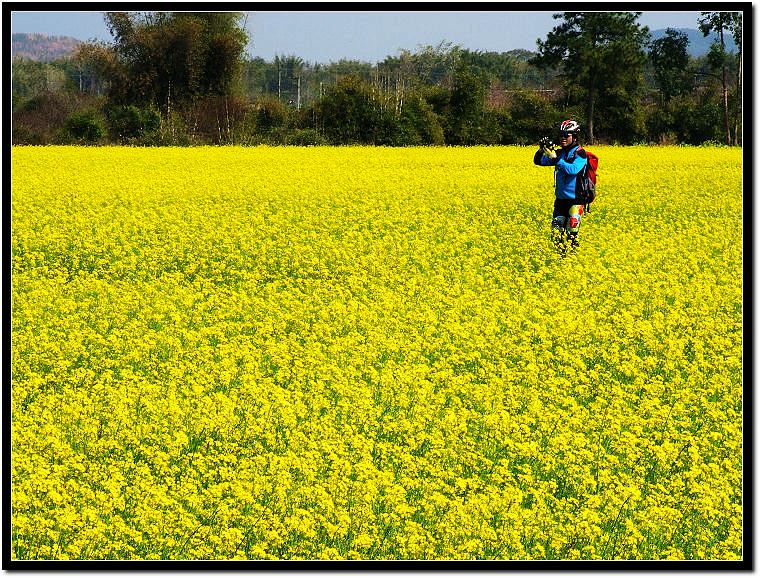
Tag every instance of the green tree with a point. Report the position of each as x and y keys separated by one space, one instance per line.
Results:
x=601 y=55
x=166 y=58
x=283 y=79
x=429 y=65
x=28 y=78
x=466 y=124
x=351 y=113
x=670 y=61
x=500 y=66
x=418 y=123
x=720 y=23
x=255 y=77
x=530 y=114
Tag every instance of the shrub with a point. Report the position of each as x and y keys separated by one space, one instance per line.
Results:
x=86 y=127
x=419 y=124
x=350 y=113
x=23 y=135
x=220 y=119
x=132 y=125
x=305 y=137
x=41 y=118
x=532 y=116
x=270 y=114
x=501 y=120
x=699 y=123
x=173 y=131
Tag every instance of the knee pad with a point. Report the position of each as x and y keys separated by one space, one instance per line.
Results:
x=574 y=222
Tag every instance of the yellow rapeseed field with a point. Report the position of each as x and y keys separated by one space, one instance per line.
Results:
x=373 y=353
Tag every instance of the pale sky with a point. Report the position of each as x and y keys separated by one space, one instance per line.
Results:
x=370 y=36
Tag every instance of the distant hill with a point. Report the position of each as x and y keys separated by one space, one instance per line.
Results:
x=35 y=46
x=699 y=45
x=42 y=47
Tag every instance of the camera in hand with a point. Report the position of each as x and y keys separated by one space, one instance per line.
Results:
x=546 y=143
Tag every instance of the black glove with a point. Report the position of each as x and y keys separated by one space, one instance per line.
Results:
x=547 y=147
x=546 y=143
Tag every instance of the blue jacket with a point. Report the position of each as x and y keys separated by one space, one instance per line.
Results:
x=567 y=165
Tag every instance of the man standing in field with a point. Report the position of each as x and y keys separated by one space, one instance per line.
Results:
x=568 y=162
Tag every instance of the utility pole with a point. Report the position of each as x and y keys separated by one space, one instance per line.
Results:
x=298 y=98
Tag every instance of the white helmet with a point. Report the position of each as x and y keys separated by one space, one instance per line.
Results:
x=569 y=127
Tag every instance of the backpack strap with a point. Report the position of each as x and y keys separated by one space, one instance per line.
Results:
x=580 y=151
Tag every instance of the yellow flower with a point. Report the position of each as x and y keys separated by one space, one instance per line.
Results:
x=307 y=353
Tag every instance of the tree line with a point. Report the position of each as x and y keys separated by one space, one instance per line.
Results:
x=182 y=78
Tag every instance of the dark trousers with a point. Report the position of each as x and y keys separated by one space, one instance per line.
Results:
x=567 y=216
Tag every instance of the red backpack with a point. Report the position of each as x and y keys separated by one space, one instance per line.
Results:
x=585 y=186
